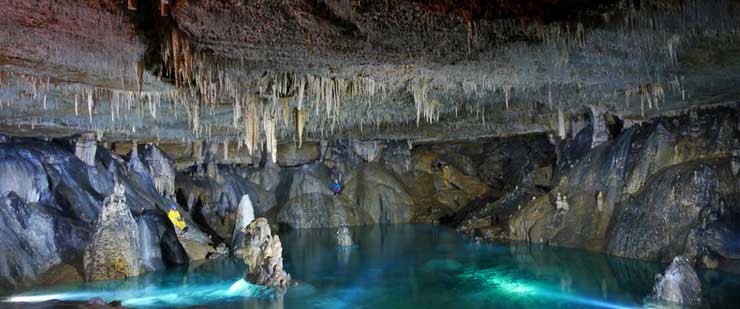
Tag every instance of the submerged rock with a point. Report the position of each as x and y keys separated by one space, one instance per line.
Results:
x=344 y=237
x=113 y=252
x=263 y=253
x=679 y=284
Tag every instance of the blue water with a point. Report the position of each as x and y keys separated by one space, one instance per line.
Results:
x=402 y=266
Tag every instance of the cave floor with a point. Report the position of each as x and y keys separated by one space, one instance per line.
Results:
x=401 y=266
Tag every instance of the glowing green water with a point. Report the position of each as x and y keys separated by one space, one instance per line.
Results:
x=404 y=266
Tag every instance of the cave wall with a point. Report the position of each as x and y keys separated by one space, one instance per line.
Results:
x=652 y=192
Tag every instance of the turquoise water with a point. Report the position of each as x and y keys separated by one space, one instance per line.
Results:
x=403 y=266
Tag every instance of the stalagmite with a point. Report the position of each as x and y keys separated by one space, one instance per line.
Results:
x=263 y=253
x=113 y=251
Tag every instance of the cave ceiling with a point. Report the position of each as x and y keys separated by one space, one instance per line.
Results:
x=249 y=71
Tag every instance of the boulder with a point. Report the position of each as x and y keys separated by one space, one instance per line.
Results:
x=344 y=237
x=113 y=252
x=263 y=254
x=679 y=284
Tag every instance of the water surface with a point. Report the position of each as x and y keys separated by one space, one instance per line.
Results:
x=403 y=266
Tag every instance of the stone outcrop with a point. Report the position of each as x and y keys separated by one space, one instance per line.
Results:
x=317 y=210
x=24 y=237
x=52 y=201
x=344 y=236
x=113 y=252
x=306 y=201
x=197 y=244
x=213 y=202
x=379 y=193
x=653 y=192
x=263 y=253
x=679 y=284
x=161 y=169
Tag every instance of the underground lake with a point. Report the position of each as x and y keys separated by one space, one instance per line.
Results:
x=402 y=266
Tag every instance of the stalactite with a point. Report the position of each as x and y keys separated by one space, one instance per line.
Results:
x=89 y=105
x=175 y=53
x=236 y=111
x=251 y=123
x=300 y=120
x=658 y=94
x=268 y=122
x=581 y=35
x=164 y=7
x=561 y=123
x=140 y=75
x=187 y=60
x=642 y=101
x=507 y=95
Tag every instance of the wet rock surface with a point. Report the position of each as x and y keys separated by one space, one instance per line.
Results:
x=113 y=252
x=652 y=192
x=51 y=189
x=679 y=284
x=263 y=254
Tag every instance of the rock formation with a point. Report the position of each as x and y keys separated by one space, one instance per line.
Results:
x=245 y=216
x=113 y=252
x=263 y=254
x=679 y=284
x=28 y=251
x=653 y=192
x=161 y=169
x=85 y=148
x=344 y=236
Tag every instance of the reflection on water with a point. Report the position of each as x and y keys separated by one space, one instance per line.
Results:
x=403 y=266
